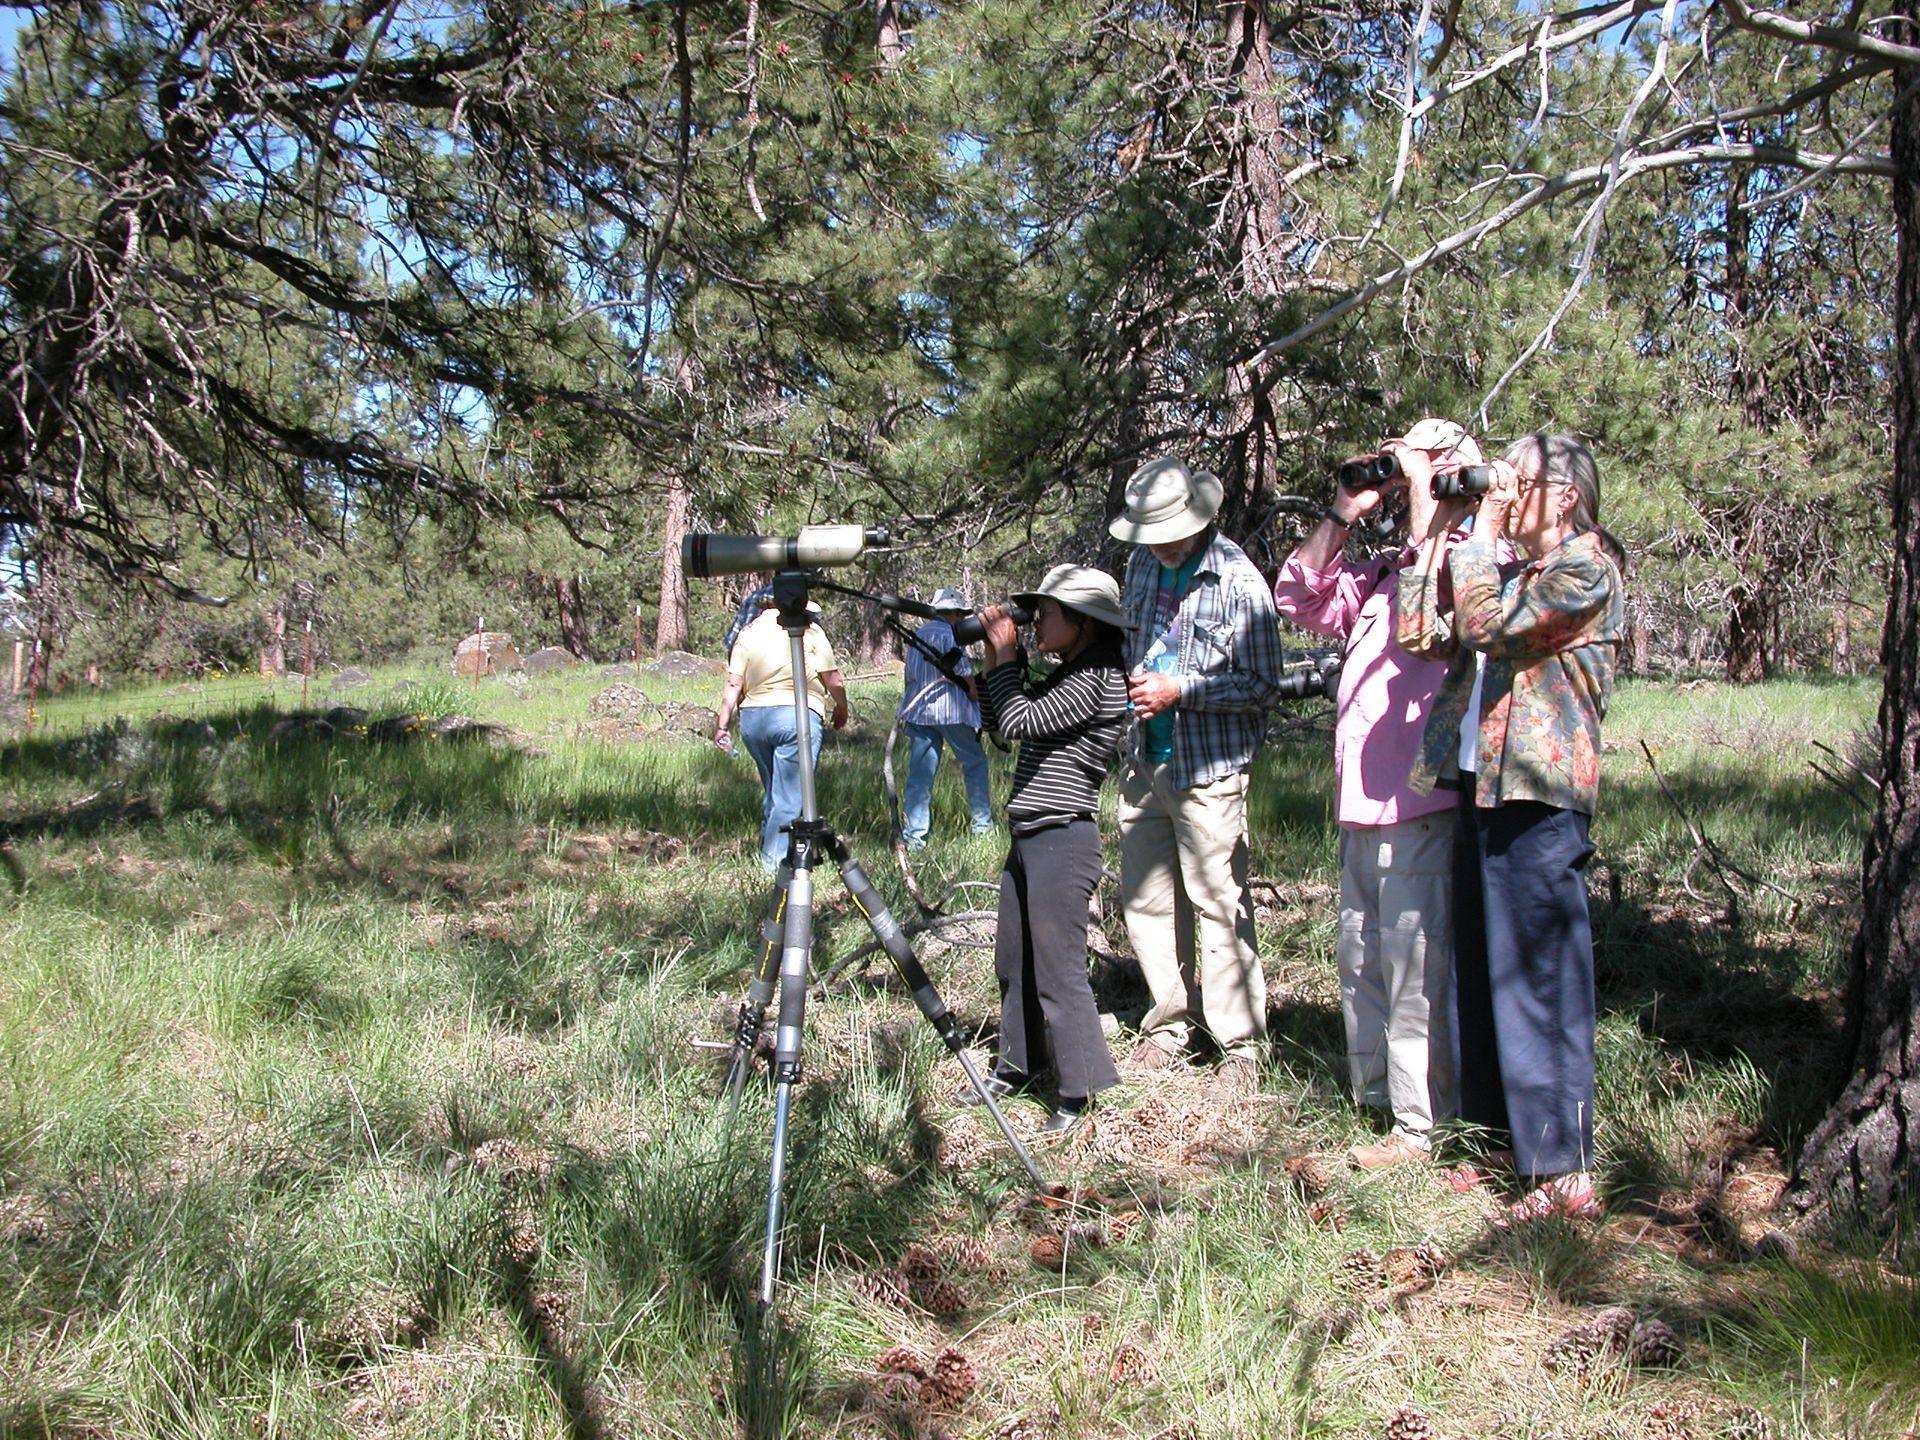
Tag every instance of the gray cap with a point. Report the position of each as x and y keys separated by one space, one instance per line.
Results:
x=1082 y=588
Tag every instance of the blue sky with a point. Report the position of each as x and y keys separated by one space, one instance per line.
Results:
x=12 y=17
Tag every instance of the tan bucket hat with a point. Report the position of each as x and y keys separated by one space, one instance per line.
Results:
x=1446 y=438
x=1167 y=502
x=1082 y=588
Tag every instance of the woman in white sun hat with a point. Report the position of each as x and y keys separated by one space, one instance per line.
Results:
x=1069 y=724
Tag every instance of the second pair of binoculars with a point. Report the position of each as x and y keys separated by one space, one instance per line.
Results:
x=1374 y=472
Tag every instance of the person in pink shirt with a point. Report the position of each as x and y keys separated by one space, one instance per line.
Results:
x=1395 y=949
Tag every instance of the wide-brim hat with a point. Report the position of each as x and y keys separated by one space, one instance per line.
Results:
x=1081 y=588
x=949 y=599
x=1446 y=438
x=1165 y=502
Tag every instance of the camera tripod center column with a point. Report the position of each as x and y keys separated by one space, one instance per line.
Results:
x=796 y=946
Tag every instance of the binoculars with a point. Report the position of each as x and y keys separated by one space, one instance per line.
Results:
x=1373 y=472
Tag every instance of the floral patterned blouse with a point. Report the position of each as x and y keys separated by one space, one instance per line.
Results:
x=1550 y=629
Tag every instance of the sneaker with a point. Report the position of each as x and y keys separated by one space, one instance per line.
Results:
x=1395 y=1149
x=1568 y=1196
x=1151 y=1055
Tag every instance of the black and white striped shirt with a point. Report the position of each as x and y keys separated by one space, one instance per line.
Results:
x=1069 y=725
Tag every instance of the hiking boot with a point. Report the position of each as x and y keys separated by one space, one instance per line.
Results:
x=1394 y=1149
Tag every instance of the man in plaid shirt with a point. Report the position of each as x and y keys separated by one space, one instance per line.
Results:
x=1203 y=655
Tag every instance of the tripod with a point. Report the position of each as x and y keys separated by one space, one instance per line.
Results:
x=787 y=943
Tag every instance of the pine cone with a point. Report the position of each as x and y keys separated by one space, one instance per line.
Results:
x=1431 y=1259
x=1408 y=1268
x=962 y=1145
x=1092 y=1324
x=940 y=1297
x=1743 y=1422
x=1040 y=1425
x=1309 y=1176
x=963 y=1252
x=1672 y=1420
x=1131 y=1366
x=1047 y=1251
x=1653 y=1345
x=1322 y=1212
x=921 y=1262
x=1613 y=1325
x=951 y=1382
x=1409 y=1422
x=900 y=1360
x=1120 y=1226
x=882 y=1287
x=1362 y=1269
x=1574 y=1351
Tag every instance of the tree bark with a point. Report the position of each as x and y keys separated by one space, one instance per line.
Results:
x=273 y=649
x=892 y=43
x=1864 y=1157
x=671 y=632
x=576 y=635
x=1747 y=657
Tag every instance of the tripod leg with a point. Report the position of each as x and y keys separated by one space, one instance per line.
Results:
x=753 y=1009
x=894 y=941
x=795 y=959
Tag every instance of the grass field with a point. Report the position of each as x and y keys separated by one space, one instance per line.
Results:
x=351 y=1086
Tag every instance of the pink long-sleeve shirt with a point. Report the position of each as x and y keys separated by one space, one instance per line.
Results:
x=1385 y=693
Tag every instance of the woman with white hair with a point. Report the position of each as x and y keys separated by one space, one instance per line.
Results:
x=1516 y=727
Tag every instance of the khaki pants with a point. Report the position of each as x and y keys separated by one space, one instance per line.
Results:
x=1396 y=969
x=1183 y=882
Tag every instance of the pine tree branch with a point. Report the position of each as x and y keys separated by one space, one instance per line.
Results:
x=1552 y=188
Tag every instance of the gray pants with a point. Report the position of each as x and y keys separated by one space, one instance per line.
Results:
x=1396 y=969
x=1040 y=954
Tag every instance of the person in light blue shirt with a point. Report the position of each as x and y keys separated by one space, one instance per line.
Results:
x=936 y=711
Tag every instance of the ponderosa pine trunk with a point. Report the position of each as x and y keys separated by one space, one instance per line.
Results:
x=569 y=598
x=1865 y=1155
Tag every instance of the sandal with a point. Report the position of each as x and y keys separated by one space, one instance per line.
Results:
x=1570 y=1197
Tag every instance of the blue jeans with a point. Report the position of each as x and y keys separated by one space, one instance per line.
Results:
x=767 y=732
x=923 y=763
x=1523 y=983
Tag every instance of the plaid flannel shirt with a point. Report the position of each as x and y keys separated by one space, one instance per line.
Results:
x=1229 y=659
x=1550 y=629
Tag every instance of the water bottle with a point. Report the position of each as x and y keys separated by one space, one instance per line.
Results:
x=1163 y=656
